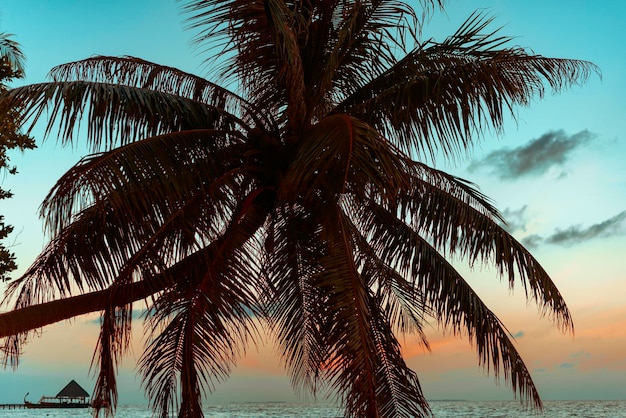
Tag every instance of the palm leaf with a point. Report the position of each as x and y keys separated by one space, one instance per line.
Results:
x=113 y=342
x=115 y=114
x=160 y=168
x=453 y=220
x=453 y=302
x=339 y=155
x=293 y=303
x=444 y=92
x=363 y=362
x=135 y=72
x=167 y=216
x=207 y=315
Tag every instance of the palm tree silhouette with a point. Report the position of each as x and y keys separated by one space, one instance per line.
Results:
x=299 y=200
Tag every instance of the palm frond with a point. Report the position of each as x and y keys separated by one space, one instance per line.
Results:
x=455 y=216
x=351 y=359
x=399 y=393
x=199 y=325
x=453 y=302
x=167 y=216
x=403 y=305
x=136 y=72
x=115 y=114
x=363 y=361
x=440 y=94
x=114 y=340
x=360 y=41
x=339 y=155
x=137 y=177
x=294 y=305
x=197 y=348
x=283 y=27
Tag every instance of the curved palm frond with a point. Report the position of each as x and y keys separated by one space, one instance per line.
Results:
x=363 y=361
x=115 y=114
x=358 y=47
x=263 y=37
x=293 y=303
x=208 y=316
x=113 y=342
x=198 y=346
x=136 y=72
x=117 y=213
x=156 y=169
x=403 y=305
x=448 y=213
x=444 y=92
x=342 y=154
x=453 y=302
x=399 y=390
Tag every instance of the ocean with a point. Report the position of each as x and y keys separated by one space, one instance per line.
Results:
x=441 y=409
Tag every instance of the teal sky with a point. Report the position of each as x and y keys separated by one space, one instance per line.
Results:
x=557 y=173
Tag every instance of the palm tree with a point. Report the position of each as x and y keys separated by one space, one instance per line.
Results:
x=301 y=201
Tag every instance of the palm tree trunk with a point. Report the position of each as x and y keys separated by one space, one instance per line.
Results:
x=39 y=315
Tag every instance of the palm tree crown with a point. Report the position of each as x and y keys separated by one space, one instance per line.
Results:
x=298 y=201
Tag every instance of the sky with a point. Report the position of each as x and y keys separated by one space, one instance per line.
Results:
x=556 y=172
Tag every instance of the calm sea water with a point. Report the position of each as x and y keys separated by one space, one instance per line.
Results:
x=441 y=409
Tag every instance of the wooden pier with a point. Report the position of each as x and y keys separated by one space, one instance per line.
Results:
x=12 y=406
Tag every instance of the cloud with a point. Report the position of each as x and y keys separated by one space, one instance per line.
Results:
x=532 y=241
x=576 y=234
x=515 y=219
x=576 y=358
x=535 y=158
x=580 y=354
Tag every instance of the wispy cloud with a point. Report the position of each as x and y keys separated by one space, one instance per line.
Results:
x=580 y=354
x=515 y=219
x=574 y=360
x=535 y=158
x=532 y=241
x=576 y=234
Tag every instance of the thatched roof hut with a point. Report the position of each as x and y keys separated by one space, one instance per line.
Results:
x=73 y=391
x=71 y=396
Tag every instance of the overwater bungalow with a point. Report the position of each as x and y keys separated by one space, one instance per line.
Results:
x=71 y=396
